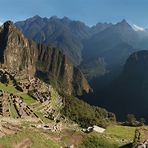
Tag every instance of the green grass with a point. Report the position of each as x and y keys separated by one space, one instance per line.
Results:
x=11 y=89
x=114 y=136
x=95 y=140
x=28 y=99
x=13 y=111
x=8 y=88
x=38 y=139
x=41 y=116
x=122 y=132
x=40 y=106
x=120 y=135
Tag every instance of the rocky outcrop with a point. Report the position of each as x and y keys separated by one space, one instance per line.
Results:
x=54 y=67
x=23 y=56
x=15 y=50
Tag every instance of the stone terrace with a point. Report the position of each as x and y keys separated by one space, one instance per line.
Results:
x=21 y=108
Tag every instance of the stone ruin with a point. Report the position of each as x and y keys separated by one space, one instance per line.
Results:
x=7 y=76
x=37 y=89
x=28 y=85
x=7 y=99
x=40 y=96
x=143 y=145
x=33 y=86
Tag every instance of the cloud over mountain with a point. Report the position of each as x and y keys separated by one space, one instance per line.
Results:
x=138 y=28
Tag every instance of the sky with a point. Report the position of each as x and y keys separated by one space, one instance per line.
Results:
x=88 y=11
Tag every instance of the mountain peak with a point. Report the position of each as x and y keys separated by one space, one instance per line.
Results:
x=9 y=25
x=65 y=18
x=36 y=17
x=123 y=22
x=54 y=17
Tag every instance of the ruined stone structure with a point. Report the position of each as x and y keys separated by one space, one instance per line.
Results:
x=51 y=101
x=7 y=100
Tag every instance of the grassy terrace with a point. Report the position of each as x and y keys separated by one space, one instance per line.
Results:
x=38 y=139
x=121 y=132
x=114 y=137
x=27 y=99
x=13 y=111
x=11 y=89
x=8 y=88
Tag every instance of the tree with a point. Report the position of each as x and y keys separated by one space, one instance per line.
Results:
x=142 y=121
x=131 y=120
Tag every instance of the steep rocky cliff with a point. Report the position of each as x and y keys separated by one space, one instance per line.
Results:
x=54 y=67
x=16 y=52
x=21 y=55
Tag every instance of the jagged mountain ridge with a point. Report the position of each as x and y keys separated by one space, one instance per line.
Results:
x=103 y=41
x=82 y=43
x=24 y=56
x=63 y=33
x=53 y=31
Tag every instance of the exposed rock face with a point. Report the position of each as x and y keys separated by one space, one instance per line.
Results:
x=53 y=64
x=21 y=55
x=15 y=50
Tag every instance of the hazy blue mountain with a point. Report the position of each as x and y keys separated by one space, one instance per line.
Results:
x=100 y=27
x=53 y=31
x=105 y=40
x=100 y=49
x=63 y=33
x=114 y=45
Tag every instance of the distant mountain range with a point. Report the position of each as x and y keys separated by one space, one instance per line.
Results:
x=62 y=33
x=84 y=45
x=105 y=54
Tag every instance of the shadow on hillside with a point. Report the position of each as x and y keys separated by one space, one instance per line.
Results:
x=127 y=146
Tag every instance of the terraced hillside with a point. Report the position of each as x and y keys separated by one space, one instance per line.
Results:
x=23 y=98
x=36 y=108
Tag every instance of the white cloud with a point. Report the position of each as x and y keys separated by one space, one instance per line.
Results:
x=138 y=28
